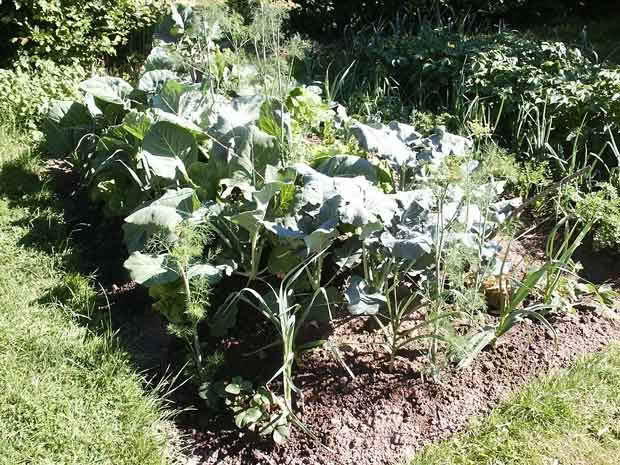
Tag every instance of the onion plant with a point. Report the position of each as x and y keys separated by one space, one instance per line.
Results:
x=398 y=309
x=287 y=318
x=513 y=310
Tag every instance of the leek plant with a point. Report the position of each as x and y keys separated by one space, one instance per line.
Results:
x=513 y=311
x=287 y=318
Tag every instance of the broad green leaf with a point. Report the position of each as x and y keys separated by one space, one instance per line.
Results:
x=244 y=154
x=353 y=201
x=321 y=238
x=349 y=254
x=213 y=274
x=64 y=126
x=174 y=24
x=161 y=58
x=411 y=245
x=348 y=166
x=159 y=216
x=240 y=112
x=137 y=124
x=183 y=100
x=263 y=197
x=149 y=270
x=391 y=142
x=241 y=184
x=108 y=89
x=450 y=144
x=240 y=421
x=415 y=204
x=167 y=148
x=153 y=81
x=252 y=415
x=233 y=388
x=283 y=258
x=362 y=299
x=181 y=122
x=281 y=434
x=205 y=178
x=249 y=220
x=105 y=113
x=275 y=120
x=117 y=190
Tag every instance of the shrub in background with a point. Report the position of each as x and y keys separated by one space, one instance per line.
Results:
x=320 y=17
x=63 y=30
x=442 y=70
x=332 y=17
x=25 y=89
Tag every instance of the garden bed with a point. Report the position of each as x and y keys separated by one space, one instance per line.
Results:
x=383 y=415
x=336 y=290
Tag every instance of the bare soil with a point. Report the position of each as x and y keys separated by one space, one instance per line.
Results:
x=384 y=416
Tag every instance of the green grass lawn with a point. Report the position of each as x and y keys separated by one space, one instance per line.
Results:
x=67 y=395
x=571 y=418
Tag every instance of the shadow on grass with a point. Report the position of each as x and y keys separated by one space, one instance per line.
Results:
x=96 y=290
x=18 y=180
x=22 y=186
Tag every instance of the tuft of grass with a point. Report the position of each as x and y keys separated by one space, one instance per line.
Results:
x=67 y=395
x=569 y=418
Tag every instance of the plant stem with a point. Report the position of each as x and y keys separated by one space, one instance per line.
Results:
x=195 y=339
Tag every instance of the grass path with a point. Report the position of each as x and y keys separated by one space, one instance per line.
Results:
x=67 y=396
x=570 y=418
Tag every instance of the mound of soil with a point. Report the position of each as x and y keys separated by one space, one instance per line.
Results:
x=383 y=416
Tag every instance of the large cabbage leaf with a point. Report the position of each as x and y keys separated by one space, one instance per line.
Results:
x=159 y=216
x=167 y=149
x=242 y=157
x=183 y=100
x=354 y=201
x=362 y=299
x=108 y=89
x=162 y=58
x=349 y=166
x=64 y=126
x=229 y=115
x=153 y=81
x=403 y=147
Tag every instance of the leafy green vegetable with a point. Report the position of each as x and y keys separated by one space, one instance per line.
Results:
x=108 y=89
x=65 y=124
x=167 y=149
